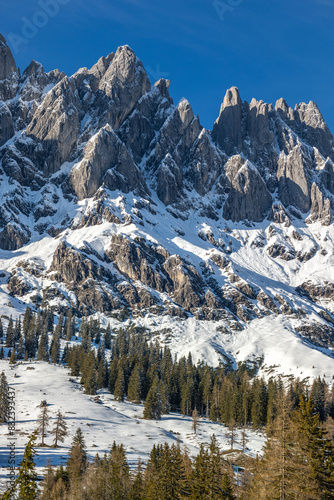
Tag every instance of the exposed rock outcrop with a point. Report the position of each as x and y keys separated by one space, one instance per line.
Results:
x=106 y=160
x=7 y=62
x=248 y=197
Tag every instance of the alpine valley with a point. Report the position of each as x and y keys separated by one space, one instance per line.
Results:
x=117 y=203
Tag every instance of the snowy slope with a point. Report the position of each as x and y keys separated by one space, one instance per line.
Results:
x=101 y=424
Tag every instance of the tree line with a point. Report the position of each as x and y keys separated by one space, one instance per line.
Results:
x=131 y=365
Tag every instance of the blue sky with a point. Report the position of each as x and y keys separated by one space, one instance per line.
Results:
x=267 y=48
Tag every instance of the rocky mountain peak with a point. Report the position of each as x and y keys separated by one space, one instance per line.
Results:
x=7 y=62
x=163 y=85
x=227 y=128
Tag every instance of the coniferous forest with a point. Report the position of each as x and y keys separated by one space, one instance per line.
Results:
x=298 y=418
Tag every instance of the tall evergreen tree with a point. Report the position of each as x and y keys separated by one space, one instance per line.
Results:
x=26 y=321
x=134 y=388
x=107 y=337
x=69 y=325
x=120 y=384
x=12 y=359
x=10 y=334
x=153 y=403
x=77 y=461
x=43 y=347
x=43 y=422
x=26 y=482
x=59 y=430
x=55 y=347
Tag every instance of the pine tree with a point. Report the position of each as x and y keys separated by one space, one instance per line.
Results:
x=12 y=359
x=59 y=430
x=77 y=461
x=89 y=373
x=134 y=387
x=43 y=422
x=118 y=472
x=55 y=349
x=31 y=337
x=10 y=334
x=69 y=325
x=297 y=460
x=26 y=482
x=101 y=377
x=113 y=372
x=26 y=321
x=153 y=402
x=120 y=385
x=107 y=337
x=43 y=347
x=315 y=446
x=137 y=487
x=17 y=330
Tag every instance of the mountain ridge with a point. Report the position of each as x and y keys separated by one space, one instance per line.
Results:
x=116 y=201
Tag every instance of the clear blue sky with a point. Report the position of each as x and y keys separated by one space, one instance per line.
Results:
x=268 y=48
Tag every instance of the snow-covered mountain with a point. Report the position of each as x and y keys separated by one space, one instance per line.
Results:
x=118 y=202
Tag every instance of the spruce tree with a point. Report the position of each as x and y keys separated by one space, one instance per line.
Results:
x=26 y=321
x=43 y=422
x=43 y=348
x=134 y=388
x=10 y=334
x=17 y=330
x=77 y=461
x=26 y=482
x=101 y=377
x=153 y=402
x=59 y=430
x=31 y=338
x=55 y=349
x=120 y=385
x=138 y=486
x=107 y=337
x=113 y=372
x=69 y=325
x=21 y=348
x=12 y=359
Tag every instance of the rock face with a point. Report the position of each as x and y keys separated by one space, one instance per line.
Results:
x=248 y=196
x=293 y=181
x=6 y=124
x=320 y=208
x=55 y=126
x=7 y=63
x=227 y=128
x=106 y=160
